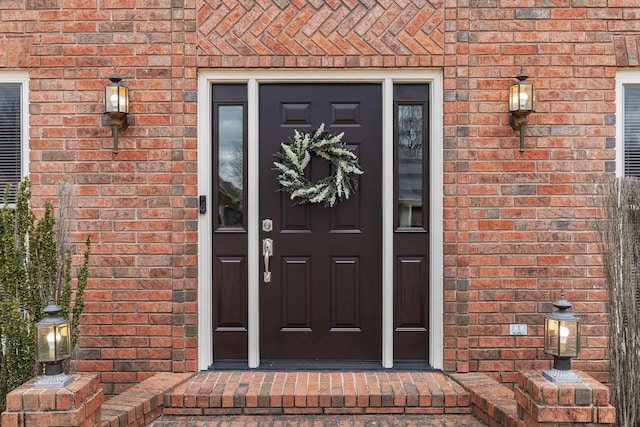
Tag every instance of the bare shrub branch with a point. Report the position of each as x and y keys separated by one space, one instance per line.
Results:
x=620 y=234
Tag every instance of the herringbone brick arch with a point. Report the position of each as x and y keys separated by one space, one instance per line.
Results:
x=311 y=33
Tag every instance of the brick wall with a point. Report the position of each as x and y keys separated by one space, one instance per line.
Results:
x=516 y=225
x=139 y=207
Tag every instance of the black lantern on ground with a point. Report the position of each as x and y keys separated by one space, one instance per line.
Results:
x=116 y=106
x=562 y=341
x=53 y=346
x=520 y=104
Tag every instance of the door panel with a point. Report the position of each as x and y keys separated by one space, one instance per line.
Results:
x=231 y=295
x=324 y=298
x=296 y=293
x=345 y=288
x=410 y=311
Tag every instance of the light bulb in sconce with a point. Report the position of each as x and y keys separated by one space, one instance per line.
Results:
x=114 y=101
x=564 y=333
x=523 y=100
x=514 y=99
x=51 y=341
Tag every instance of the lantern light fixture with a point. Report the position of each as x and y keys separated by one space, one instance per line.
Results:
x=521 y=103
x=116 y=107
x=562 y=341
x=53 y=346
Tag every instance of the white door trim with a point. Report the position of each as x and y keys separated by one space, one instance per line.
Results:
x=386 y=78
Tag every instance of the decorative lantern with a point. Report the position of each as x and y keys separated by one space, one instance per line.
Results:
x=562 y=341
x=521 y=99
x=53 y=346
x=116 y=106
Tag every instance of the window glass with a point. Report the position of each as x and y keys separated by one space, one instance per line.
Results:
x=10 y=138
x=410 y=142
x=230 y=165
x=631 y=130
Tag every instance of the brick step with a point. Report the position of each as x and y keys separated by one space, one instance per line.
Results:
x=275 y=393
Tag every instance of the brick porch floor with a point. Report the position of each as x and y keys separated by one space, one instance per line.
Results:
x=318 y=398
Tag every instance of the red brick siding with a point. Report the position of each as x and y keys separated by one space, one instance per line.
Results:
x=139 y=207
x=516 y=226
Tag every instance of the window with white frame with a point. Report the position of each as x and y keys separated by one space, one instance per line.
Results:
x=628 y=123
x=13 y=135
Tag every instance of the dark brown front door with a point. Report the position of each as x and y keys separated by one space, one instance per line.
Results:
x=325 y=295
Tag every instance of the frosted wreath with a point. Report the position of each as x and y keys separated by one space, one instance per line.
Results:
x=296 y=156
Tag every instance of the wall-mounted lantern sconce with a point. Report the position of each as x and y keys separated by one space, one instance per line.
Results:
x=53 y=346
x=520 y=104
x=562 y=341
x=116 y=106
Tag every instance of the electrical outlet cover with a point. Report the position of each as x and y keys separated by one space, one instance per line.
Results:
x=518 y=329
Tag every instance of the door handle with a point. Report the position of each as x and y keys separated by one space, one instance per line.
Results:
x=267 y=252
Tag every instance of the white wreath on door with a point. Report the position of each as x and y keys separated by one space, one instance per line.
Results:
x=296 y=156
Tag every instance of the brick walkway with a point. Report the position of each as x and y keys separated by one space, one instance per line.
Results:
x=378 y=420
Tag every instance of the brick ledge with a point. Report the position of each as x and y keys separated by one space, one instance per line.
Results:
x=491 y=402
x=142 y=403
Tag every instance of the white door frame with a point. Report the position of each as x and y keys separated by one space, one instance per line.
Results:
x=253 y=78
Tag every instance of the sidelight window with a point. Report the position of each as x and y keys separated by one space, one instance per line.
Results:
x=410 y=127
x=230 y=155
